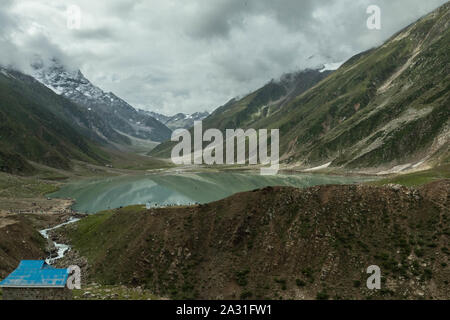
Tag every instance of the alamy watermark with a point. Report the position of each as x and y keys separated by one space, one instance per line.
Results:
x=74 y=278
x=73 y=17
x=374 y=20
x=234 y=143
x=374 y=281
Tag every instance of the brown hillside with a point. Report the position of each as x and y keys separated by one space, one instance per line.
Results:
x=18 y=240
x=279 y=242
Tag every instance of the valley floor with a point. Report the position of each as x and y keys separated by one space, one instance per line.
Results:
x=24 y=209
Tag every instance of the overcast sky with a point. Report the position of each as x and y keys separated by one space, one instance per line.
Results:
x=193 y=55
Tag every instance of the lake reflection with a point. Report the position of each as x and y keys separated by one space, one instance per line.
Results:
x=185 y=188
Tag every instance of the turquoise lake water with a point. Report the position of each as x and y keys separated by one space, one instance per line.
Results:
x=94 y=195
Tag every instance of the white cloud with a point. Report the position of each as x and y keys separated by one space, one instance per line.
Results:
x=185 y=56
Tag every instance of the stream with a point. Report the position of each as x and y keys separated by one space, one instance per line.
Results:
x=61 y=248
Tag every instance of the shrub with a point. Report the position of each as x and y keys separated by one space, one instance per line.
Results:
x=246 y=295
x=282 y=282
x=300 y=283
x=419 y=252
x=427 y=273
x=322 y=295
x=241 y=277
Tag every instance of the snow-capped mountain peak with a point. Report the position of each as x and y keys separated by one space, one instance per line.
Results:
x=178 y=121
x=73 y=85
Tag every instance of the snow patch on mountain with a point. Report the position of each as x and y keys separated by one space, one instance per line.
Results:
x=331 y=66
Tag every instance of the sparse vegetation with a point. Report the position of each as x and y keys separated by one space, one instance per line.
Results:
x=24 y=187
x=281 y=282
x=135 y=245
x=105 y=292
x=241 y=277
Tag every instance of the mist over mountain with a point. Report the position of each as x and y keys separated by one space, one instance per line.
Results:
x=214 y=51
x=245 y=111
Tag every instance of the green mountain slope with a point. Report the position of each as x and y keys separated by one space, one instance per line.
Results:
x=33 y=126
x=258 y=105
x=385 y=107
x=90 y=124
x=264 y=102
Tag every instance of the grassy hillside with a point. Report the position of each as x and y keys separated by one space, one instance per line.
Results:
x=278 y=243
x=33 y=127
x=418 y=178
x=89 y=124
x=12 y=186
x=263 y=102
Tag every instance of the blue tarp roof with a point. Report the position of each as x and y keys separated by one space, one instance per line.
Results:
x=36 y=273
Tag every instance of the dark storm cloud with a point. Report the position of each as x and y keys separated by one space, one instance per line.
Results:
x=20 y=46
x=186 y=56
x=219 y=17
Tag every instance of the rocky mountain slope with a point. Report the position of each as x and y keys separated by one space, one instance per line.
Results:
x=178 y=121
x=278 y=242
x=118 y=114
x=37 y=125
x=384 y=108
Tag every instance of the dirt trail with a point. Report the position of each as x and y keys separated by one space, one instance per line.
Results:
x=35 y=205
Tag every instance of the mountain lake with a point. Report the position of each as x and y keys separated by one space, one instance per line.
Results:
x=164 y=189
